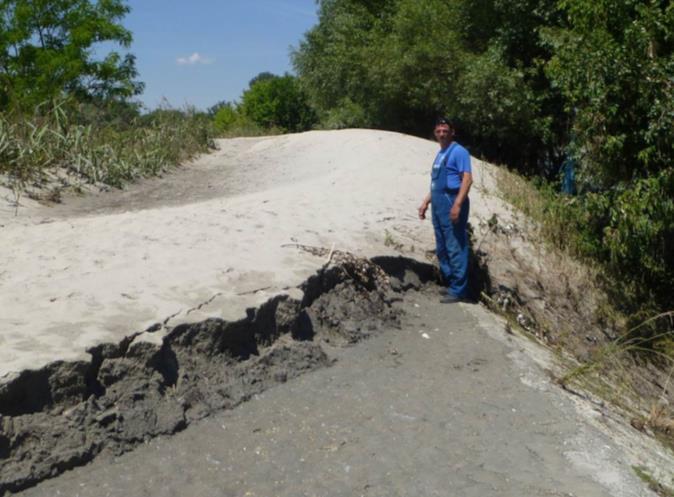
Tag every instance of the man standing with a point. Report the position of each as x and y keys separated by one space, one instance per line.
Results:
x=451 y=178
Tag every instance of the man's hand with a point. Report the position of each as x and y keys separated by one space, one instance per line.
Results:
x=422 y=210
x=454 y=213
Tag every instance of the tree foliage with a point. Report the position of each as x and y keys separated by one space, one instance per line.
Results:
x=409 y=60
x=614 y=63
x=279 y=102
x=532 y=80
x=264 y=75
x=46 y=51
x=225 y=117
x=533 y=83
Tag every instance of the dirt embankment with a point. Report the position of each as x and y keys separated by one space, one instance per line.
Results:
x=226 y=237
x=559 y=302
x=66 y=413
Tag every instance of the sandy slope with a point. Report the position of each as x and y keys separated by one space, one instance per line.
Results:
x=221 y=235
x=99 y=268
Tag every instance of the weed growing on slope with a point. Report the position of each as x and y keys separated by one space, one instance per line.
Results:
x=632 y=363
x=629 y=373
x=653 y=484
x=54 y=143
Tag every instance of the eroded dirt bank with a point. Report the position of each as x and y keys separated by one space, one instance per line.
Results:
x=224 y=250
x=65 y=414
x=447 y=404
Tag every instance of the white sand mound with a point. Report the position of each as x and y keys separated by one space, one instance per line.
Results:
x=71 y=282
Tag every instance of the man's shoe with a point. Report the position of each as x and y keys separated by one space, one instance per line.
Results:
x=443 y=291
x=449 y=299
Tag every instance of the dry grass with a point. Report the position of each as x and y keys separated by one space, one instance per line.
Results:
x=653 y=484
x=629 y=366
x=52 y=144
x=520 y=192
x=622 y=372
x=542 y=206
x=661 y=419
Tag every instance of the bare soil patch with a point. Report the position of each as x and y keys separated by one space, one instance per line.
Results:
x=65 y=414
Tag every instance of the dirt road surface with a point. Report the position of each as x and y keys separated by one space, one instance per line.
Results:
x=448 y=405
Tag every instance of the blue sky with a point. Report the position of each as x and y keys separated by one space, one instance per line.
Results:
x=204 y=51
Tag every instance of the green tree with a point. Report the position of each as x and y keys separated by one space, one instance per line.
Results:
x=532 y=82
x=225 y=117
x=417 y=65
x=278 y=102
x=406 y=61
x=333 y=59
x=499 y=110
x=46 y=51
x=264 y=75
x=347 y=114
x=213 y=109
x=614 y=63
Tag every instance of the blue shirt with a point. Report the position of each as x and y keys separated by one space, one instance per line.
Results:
x=458 y=162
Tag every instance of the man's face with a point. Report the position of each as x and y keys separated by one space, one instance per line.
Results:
x=444 y=134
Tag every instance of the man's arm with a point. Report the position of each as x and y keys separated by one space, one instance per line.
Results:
x=424 y=206
x=466 y=181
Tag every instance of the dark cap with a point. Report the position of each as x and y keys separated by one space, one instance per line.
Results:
x=444 y=120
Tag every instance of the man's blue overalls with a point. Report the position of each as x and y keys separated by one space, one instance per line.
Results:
x=451 y=238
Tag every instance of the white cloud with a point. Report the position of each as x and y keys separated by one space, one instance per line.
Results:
x=195 y=58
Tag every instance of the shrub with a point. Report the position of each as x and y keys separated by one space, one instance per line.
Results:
x=225 y=118
x=278 y=102
x=347 y=115
x=637 y=243
x=628 y=231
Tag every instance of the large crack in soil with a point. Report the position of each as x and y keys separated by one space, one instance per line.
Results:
x=65 y=414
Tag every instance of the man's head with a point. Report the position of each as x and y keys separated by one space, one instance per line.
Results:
x=444 y=131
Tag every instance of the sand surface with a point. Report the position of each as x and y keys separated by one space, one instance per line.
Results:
x=221 y=230
x=455 y=410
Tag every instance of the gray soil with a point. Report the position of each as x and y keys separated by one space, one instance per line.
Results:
x=399 y=414
x=67 y=413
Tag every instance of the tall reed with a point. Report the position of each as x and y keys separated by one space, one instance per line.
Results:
x=54 y=141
